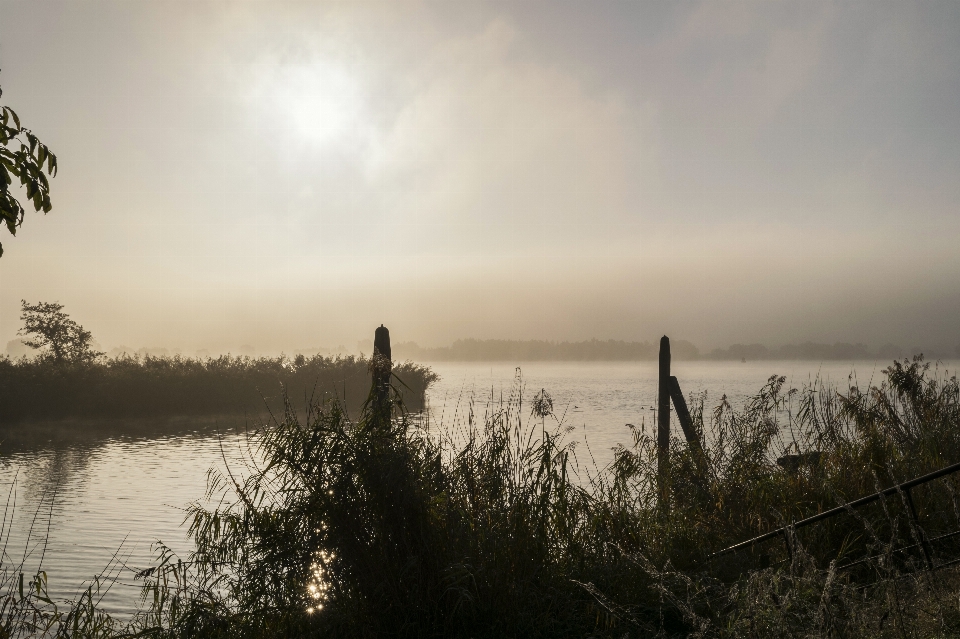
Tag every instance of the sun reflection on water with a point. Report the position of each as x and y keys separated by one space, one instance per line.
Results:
x=318 y=585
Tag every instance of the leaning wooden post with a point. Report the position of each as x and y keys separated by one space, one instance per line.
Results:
x=686 y=423
x=381 y=365
x=663 y=423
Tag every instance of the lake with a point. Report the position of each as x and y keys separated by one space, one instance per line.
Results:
x=95 y=505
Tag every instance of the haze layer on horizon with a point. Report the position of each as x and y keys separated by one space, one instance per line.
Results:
x=290 y=175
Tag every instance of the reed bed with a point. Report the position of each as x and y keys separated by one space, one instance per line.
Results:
x=126 y=387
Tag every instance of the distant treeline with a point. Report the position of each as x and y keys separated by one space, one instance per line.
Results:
x=824 y=352
x=495 y=350
x=150 y=387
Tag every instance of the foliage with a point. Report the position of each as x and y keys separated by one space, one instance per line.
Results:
x=23 y=159
x=53 y=329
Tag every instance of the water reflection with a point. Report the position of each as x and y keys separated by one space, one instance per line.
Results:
x=92 y=501
x=53 y=469
x=318 y=584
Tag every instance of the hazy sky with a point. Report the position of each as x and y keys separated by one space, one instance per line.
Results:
x=294 y=174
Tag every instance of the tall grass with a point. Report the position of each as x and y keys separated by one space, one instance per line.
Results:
x=378 y=527
x=149 y=387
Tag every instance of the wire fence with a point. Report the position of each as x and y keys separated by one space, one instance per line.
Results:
x=932 y=540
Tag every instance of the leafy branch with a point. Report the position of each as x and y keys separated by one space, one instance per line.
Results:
x=23 y=159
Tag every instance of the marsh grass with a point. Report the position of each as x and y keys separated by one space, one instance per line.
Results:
x=43 y=389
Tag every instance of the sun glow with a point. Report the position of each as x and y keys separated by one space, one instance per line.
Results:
x=313 y=102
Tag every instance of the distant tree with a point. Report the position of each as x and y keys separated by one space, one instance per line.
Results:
x=22 y=158
x=49 y=328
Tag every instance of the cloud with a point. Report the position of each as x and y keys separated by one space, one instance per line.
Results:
x=487 y=139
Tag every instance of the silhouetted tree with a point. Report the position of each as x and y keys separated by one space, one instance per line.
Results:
x=52 y=329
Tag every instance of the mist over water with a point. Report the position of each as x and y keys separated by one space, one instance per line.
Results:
x=598 y=399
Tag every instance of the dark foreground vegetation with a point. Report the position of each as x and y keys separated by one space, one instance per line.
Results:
x=493 y=528
x=45 y=388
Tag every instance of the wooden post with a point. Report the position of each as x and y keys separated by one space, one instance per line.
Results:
x=381 y=365
x=663 y=421
x=686 y=423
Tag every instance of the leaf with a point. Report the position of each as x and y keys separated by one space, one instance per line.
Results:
x=10 y=208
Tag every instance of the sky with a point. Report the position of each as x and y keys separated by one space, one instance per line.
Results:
x=293 y=175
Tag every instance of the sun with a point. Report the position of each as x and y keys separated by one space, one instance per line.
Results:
x=313 y=102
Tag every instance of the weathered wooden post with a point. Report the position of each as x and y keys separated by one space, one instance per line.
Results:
x=663 y=423
x=686 y=423
x=381 y=366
